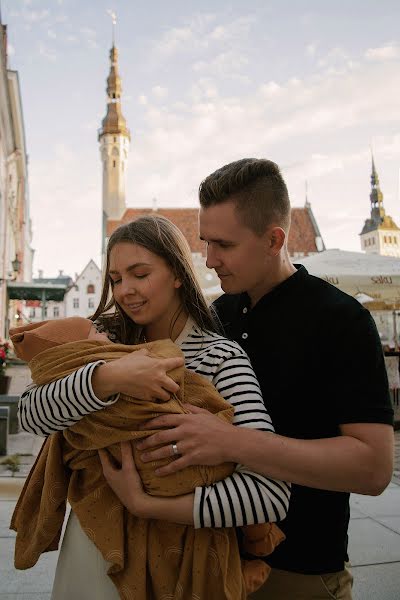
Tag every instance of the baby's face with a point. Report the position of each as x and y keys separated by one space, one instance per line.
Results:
x=95 y=335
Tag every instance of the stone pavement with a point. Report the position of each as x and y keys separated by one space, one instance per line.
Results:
x=374 y=534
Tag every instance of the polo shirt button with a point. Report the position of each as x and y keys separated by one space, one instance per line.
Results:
x=245 y=310
x=245 y=336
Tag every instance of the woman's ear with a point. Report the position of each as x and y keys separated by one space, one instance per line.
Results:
x=177 y=283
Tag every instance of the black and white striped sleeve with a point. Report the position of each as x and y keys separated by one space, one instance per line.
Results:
x=245 y=497
x=52 y=407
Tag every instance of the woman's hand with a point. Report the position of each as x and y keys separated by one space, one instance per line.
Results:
x=125 y=481
x=127 y=485
x=137 y=374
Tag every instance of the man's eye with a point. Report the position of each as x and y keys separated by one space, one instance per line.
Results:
x=141 y=276
x=115 y=281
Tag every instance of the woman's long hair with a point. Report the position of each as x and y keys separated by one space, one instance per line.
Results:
x=160 y=236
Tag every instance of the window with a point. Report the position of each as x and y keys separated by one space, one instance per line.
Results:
x=75 y=303
x=90 y=289
x=113 y=163
x=45 y=311
x=56 y=311
x=32 y=313
x=90 y=303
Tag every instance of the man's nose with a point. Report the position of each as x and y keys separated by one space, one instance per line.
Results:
x=212 y=260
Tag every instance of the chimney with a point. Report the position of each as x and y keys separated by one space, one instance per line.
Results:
x=60 y=273
x=40 y=273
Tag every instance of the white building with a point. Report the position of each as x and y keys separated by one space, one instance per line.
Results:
x=83 y=296
x=380 y=234
x=16 y=253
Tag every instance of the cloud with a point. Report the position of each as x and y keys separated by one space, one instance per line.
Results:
x=159 y=91
x=200 y=33
x=390 y=51
x=224 y=64
x=47 y=52
x=311 y=49
x=142 y=99
x=51 y=34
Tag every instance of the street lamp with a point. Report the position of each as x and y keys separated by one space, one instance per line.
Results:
x=16 y=264
x=16 y=267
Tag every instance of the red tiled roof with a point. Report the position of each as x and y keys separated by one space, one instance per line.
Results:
x=184 y=218
x=302 y=232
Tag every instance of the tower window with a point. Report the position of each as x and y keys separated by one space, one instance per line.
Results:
x=113 y=163
x=115 y=139
x=90 y=289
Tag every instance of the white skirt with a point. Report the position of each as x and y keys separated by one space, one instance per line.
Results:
x=81 y=572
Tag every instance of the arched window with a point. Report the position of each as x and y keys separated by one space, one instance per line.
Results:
x=90 y=289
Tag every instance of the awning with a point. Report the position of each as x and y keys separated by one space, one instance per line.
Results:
x=22 y=290
x=357 y=273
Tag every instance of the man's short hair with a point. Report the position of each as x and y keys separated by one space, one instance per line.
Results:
x=256 y=187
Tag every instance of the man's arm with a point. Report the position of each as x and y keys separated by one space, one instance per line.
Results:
x=360 y=460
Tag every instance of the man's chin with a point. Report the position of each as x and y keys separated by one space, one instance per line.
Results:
x=228 y=287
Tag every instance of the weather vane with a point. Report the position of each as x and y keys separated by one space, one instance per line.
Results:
x=114 y=22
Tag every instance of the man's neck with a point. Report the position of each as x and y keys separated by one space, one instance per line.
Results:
x=281 y=270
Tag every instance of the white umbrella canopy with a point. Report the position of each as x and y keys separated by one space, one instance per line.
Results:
x=358 y=274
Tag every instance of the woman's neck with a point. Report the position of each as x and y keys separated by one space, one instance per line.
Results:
x=155 y=331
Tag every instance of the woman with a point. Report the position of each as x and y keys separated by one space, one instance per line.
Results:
x=155 y=295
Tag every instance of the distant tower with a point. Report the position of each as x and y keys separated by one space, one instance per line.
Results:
x=380 y=234
x=114 y=139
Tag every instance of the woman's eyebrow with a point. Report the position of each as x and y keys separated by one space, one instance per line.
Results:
x=130 y=268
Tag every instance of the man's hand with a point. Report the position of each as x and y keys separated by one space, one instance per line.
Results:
x=201 y=439
x=139 y=375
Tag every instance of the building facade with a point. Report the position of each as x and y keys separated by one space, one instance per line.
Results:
x=81 y=297
x=16 y=254
x=380 y=234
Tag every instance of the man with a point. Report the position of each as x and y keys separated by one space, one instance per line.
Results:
x=318 y=358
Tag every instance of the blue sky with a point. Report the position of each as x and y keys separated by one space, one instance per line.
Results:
x=309 y=84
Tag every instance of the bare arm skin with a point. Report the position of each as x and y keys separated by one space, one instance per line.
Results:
x=360 y=460
x=138 y=375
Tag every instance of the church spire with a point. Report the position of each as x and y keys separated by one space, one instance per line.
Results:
x=114 y=122
x=114 y=139
x=376 y=196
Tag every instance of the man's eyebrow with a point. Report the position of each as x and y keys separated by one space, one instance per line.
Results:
x=217 y=240
x=130 y=268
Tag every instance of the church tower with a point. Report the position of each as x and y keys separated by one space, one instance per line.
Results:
x=380 y=234
x=114 y=139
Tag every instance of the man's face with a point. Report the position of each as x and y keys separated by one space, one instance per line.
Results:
x=240 y=258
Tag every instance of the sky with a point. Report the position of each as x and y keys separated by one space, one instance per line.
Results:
x=311 y=85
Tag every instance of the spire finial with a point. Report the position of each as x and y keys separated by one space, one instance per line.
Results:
x=114 y=22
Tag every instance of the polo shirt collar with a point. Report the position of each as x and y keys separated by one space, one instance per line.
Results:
x=291 y=283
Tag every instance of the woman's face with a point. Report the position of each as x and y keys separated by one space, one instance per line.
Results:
x=144 y=286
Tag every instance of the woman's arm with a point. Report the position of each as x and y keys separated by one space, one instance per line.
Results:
x=52 y=407
x=55 y=406
x=245 y=497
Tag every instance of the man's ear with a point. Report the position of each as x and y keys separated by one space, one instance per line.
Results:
x=276 y=240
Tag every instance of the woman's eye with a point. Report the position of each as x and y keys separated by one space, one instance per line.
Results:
x=115 y=281
x=141 y=276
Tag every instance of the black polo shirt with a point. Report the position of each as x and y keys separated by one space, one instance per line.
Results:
x=319 y=361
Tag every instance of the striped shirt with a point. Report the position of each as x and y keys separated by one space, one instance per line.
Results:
x=243 y=498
